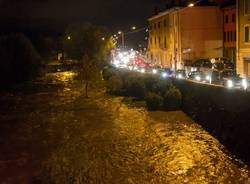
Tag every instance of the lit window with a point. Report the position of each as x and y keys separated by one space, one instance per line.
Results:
x=246 y=33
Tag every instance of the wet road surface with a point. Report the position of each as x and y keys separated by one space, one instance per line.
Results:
x=51 y=134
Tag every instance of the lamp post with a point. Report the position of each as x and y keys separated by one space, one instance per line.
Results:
x=122 y=34
x=123 y=39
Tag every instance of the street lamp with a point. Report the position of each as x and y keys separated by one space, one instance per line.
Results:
x=103 y=38
x=69 y=37
x=123 y=35
x=191 y=5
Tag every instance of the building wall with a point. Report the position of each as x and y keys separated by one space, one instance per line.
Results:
x=201 y=31
x=159 y=39
x=229 y=32
x=243 y=46
x=188 y=33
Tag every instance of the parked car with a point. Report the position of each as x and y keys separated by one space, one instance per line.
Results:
x=180 y=74
x=196 y=75
x=166 y=72
x=155 y=69
x=206 y=63
x=230 y=79
x=222 y=64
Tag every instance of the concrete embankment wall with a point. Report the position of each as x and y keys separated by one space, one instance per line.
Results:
x=225 y=113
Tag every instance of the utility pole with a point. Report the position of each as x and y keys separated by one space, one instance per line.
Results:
x=123 y=40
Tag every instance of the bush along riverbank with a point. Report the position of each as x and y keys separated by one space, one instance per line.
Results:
x=159 y=93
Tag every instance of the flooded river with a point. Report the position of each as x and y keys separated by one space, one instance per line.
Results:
x=50 y=133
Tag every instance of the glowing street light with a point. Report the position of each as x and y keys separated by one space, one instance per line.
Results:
x=69 y=37
x=133 y=28
x=103 y=38
x=191 y=5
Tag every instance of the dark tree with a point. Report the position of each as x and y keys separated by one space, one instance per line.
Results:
x=19 y=60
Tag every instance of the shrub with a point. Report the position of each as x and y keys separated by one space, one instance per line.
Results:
x=161 y=86
x=114 y=84
x=150 y=81
x=172 y=99
x=135 y=87
x=107 y=73
x=154 y=101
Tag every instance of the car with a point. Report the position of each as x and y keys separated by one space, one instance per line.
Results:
x=166 y=72
x=230 y=79
x=180 y=74
x=206 y=63
x=196 y=75
x=155 y=69
x=222 y=64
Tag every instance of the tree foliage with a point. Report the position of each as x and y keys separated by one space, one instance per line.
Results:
x=88 y=46
x=19 y=59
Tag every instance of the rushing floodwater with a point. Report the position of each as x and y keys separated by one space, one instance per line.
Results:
x=53 y=134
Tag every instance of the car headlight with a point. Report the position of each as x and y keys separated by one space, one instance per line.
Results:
x=143 y=70
x=198 y=78
x=230 y=84
x=164 y=75
x=179 y=76
x=244 y=83
x=154 y=71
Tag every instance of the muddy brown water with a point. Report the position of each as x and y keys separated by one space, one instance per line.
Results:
x=51 y=134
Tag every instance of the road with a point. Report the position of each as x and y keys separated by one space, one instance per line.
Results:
x=51 y=134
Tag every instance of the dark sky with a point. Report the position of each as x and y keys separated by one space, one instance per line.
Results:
x=113 y=13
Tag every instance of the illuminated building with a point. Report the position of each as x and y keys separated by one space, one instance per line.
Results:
x=243 y=37
x=179 y=35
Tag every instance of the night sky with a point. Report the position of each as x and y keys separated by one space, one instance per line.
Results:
x=114 y=13
x=51 y=15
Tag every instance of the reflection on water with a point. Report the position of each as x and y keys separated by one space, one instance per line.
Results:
x=101 y=140
x=62 y=76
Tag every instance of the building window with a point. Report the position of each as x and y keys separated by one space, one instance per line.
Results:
x=228 y=36
x=247 y=6
x=233 y=17
x=154 y=26
x=235 y=36
x=246 y=33
x=225 y=36
x=155 y=41
x=165 y=42
x=165 y=22
x=226 y=19
x=159 y=40
x=159 y=25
